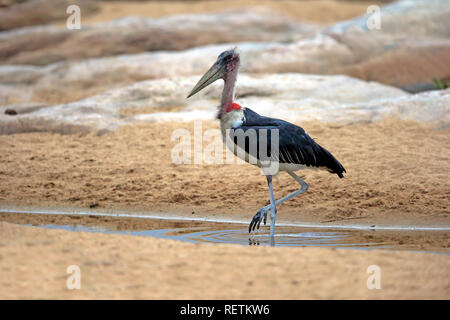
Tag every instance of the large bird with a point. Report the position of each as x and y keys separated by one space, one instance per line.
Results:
x=272 y=144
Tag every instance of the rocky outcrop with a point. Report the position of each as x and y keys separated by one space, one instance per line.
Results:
x=412 y=46
x=401 y=53
x=295 y=97
x=43 y=45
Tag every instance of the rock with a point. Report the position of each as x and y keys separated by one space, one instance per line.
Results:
x=421 y=18
x=49 y=83
x=407 y=65
x=411 y=46
x=430 y=107
x=392 y=55
x=26 y=84
x=295 y=97
x=43 y=45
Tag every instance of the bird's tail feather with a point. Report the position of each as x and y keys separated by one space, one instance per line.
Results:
x=333 y=165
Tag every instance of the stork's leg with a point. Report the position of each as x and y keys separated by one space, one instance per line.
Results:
x=273 y=209
x=262 y=213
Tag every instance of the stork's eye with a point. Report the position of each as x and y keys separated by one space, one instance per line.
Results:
x=226 y=59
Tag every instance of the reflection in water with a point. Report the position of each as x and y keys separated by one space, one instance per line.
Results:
x=286 y=236
x=253 y=242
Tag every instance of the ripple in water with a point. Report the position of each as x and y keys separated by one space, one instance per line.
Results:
x=285 y=236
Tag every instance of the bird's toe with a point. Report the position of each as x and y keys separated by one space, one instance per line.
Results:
x=257 y=218
x=253 y=224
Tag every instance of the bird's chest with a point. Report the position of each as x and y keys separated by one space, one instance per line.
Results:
x=231 y=120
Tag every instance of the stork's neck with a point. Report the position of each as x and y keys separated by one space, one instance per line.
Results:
x=226 y=104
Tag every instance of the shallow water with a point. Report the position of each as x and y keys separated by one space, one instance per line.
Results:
x=198 y=230
x=285 y=236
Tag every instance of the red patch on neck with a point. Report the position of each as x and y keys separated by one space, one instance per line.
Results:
x=235 y=106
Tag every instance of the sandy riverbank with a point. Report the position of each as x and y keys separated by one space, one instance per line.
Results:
x=397 y=172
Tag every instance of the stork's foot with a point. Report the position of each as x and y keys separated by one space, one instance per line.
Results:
x=258 y=217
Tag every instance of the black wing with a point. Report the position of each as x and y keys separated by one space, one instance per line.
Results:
x=295 y=145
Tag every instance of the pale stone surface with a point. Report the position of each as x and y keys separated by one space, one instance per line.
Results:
x=42 y=45
x=412 y=46
x=289 y=96
x=405 y=17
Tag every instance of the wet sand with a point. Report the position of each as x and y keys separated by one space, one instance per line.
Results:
x=33 y=264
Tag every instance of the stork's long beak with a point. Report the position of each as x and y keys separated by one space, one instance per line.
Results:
x=214 y=73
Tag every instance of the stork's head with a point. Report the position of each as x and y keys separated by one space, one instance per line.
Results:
x=226 y=62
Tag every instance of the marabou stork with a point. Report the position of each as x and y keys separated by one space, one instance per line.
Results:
x=296 y=149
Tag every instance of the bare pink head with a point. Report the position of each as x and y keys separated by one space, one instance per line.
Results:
x=225 y=67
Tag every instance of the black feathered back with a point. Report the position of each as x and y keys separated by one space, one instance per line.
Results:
x=295 y=145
